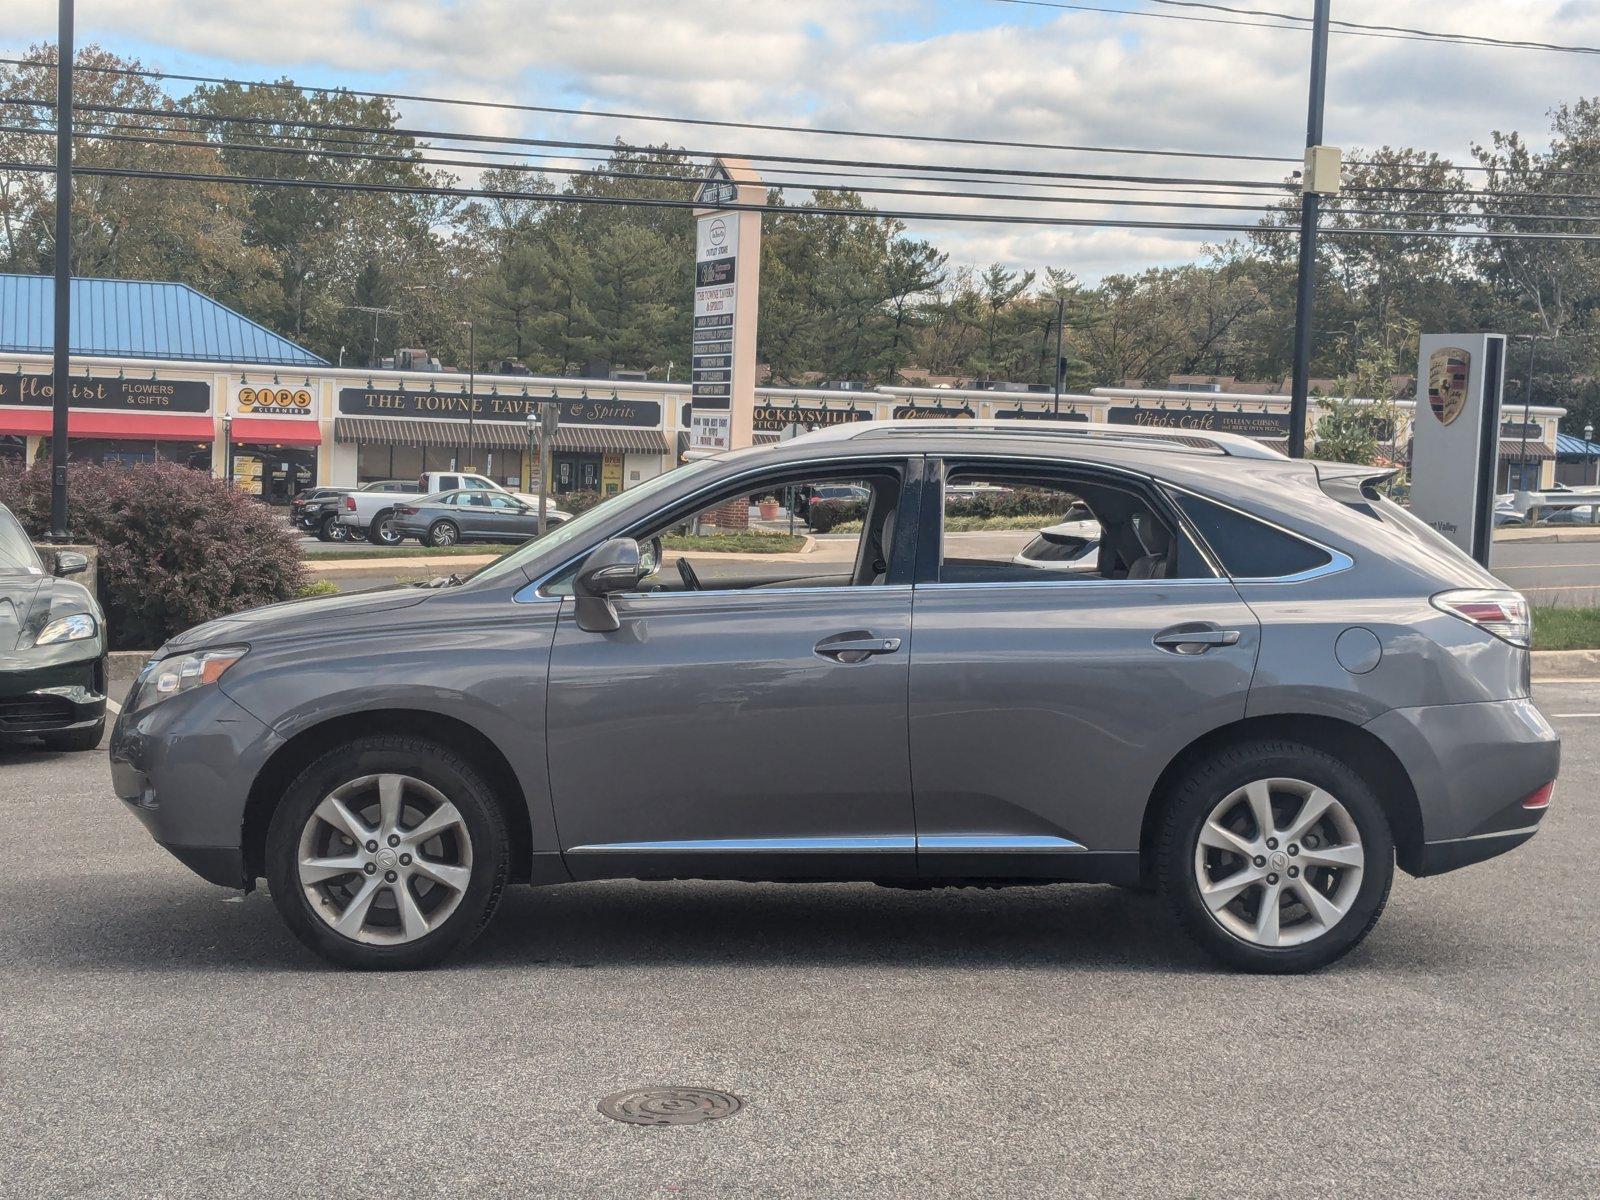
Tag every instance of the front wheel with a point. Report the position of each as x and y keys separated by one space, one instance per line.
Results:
x=1276 y=857
x=388 y=852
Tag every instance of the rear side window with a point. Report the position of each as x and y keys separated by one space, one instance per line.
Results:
x=1247 y=548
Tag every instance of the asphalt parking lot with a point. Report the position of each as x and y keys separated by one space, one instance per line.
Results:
x=159 y=1036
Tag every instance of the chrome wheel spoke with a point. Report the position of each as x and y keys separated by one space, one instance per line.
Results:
x=1313 y=810
x=1224 y=892
x=354 y=915
x=1259 y=794
x=1220 y=837
x=446 y=816
x=413 y=924
x=315 y=870
x=391 y=791
x=1267 y=929
x=335 y=812
x=455 y=878
x=1332 y=856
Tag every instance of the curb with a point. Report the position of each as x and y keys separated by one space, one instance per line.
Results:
x=1575 y=666
x=1537 y=537
x=124 y=664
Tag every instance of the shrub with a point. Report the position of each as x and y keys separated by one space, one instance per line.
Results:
x=177 y=547
x=824 y=515
x=577 y=503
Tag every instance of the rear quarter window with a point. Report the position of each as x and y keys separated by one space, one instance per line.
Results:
x=1247 y=548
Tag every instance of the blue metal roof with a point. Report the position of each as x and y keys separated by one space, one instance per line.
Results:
x=130 y=318
x=1568 y=446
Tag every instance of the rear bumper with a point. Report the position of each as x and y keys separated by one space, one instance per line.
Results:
x=1471 y=766
x=61 y=698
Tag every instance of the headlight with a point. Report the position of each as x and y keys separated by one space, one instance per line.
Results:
x=167 y=677
x=67 y=629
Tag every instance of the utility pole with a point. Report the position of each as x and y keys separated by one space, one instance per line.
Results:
x=472 y=392
x=1527 y=416
x=1312 y=186
x=61 y=368
x=1061 y=323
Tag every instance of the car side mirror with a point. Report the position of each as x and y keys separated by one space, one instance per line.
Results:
x=614 y=566
x=70 y=562
x=650 y=558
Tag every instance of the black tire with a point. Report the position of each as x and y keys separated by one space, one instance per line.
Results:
x=443 y=533
x=382 y=531
x=326 y=528
x=77 y=739
x=1214 y=779
x=436 y=765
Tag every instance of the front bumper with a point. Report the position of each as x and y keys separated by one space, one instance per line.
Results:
x=1471 y=766
x=61 y=697
x=185 y=767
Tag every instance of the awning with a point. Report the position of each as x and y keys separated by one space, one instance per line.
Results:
x=495 y=435
x=96 y=423
x=275 y=431
x=1513 y=450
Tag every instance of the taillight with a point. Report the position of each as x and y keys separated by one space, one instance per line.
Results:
x=1504 y=614
x=404 y=510
x=349 y=504
x=1540 y=798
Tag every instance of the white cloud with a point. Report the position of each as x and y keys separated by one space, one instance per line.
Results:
x=1074 y=78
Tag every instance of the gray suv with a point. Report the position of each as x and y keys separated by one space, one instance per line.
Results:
x=1271 y=687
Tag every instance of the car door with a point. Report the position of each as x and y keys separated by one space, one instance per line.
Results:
x=1045 y=704
x=499 y=516
x=756 y=730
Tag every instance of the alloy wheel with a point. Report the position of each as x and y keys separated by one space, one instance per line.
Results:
x=385 y=859
x=1278 y=862
x=444 y=534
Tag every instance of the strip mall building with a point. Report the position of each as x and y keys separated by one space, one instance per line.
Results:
x=161 y=371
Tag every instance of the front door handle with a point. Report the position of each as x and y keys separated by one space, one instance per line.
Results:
x=856 y=646
x=1195 y=638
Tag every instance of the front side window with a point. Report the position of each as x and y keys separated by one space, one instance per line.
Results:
x=1026 y=525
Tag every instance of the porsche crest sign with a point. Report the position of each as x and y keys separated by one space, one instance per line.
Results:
x=1449 y=368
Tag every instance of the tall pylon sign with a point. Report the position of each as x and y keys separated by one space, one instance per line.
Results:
x=727 y=295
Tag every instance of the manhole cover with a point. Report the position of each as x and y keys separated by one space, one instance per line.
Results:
x=670 y=1106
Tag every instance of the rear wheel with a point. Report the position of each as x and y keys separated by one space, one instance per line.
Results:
x=1276 y=857
x=382 y=531
x=443 y=533
x=388 y=852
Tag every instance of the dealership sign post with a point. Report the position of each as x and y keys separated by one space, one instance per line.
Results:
x=1455 y=436
x=727 y=274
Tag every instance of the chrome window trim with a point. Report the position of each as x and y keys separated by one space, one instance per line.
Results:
x=1338 y=560
x=903 y=457
x=1082 y=583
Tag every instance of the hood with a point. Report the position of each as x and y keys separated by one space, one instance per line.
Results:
x=22 y=595
x=326 y=614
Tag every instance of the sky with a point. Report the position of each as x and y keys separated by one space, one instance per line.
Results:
x=964 y=68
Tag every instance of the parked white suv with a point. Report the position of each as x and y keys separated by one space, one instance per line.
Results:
x=371 y=512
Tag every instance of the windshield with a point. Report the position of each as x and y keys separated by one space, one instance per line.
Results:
x=16 y=551
x=581 y=527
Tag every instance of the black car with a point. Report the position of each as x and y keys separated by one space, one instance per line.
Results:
x=52 y=647
x=316 y=510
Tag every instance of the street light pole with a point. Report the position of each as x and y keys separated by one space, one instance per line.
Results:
x=1310 y=204
x=1588 y=453
x=61 y=365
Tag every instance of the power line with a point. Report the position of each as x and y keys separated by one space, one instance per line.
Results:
x=940 y=139
x=1299 y=24
x=846 y=213
x=505 y=139
x=777 y=184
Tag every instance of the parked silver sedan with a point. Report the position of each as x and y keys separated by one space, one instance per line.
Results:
x=472 y=515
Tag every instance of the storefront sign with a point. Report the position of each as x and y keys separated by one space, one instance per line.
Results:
x=134 y=395
x=1037 y=414
x=910 y=412
x=727 y=270
x=775 y=418
x=1249 y=424
x=606 y=410
x=1517 y=431
x=253 y=401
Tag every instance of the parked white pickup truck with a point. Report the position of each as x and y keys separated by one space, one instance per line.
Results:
x=371 y=512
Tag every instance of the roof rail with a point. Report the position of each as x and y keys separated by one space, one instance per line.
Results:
x=1138 y=437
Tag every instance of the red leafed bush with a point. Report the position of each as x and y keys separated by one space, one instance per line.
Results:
x=177 y=547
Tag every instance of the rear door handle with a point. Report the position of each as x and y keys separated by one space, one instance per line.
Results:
x=856 y=646
x=1195 y=639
